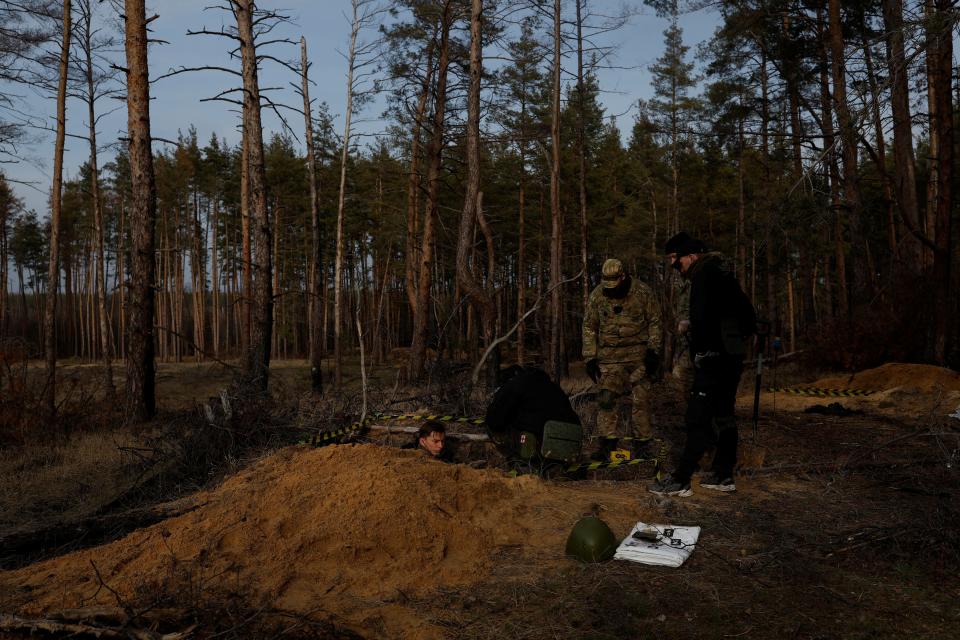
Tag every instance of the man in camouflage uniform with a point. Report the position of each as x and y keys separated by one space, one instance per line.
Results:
x=621 y=344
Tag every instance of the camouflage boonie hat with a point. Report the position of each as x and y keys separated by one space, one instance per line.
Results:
x=612 y=272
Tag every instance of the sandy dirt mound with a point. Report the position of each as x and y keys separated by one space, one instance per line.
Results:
x=342 y=529
x=910 y=390
x=892 y=375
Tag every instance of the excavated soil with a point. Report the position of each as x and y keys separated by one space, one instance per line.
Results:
x=352 y=531
x=902 y=390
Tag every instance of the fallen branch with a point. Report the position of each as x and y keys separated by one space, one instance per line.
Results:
x=77 y=629
x=493 y=345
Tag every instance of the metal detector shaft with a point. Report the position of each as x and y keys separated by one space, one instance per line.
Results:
x=763 y=330
x=756 y=391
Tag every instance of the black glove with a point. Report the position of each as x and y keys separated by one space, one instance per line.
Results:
x=593 y=370
x=651 y=362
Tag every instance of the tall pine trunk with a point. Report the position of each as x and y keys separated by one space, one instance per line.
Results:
x=141 y=400
x=421 y=316
x=315 y=315
x=56 y=193
x=257 y=357
x=341 y=200
x=553 y=358
x=848 y=138
x=905 y=181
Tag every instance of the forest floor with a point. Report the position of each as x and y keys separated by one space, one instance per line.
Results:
x=843 y=526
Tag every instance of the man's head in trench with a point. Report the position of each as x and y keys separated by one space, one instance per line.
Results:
x=433 y=436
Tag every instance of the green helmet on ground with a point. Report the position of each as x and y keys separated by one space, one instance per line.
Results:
x=591 y=540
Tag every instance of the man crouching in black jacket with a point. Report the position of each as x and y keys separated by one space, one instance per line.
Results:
x=525 y=401
x=721 y=320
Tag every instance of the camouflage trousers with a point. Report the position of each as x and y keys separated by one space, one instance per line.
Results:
x=617 y=380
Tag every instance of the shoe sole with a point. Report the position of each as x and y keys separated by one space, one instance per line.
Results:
x=682 y=493
x=725 y=488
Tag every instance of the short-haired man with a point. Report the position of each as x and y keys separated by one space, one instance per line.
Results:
x=721 y=319
x=621 y=345
x=432 y=440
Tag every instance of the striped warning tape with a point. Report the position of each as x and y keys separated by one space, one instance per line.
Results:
x=425 y=416
x=328 y=437
x=822 y=393
x=623 y=438
x=614 y=464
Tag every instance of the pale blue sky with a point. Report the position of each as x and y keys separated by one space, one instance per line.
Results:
x=176 y=104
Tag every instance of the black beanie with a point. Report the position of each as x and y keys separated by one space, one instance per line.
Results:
x=682 y=244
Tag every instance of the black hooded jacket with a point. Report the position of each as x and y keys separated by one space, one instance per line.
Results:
x=526 y=402
x=721 y=316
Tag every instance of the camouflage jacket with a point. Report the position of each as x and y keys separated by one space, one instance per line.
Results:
x=621 y=330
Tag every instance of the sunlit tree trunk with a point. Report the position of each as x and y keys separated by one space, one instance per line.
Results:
x=553 y=356
x=141 y=401
x=53 y=272
x=257 y=357
x=904 y=166
x=341 y=200
x=421 y=318
x=848 y=136
x=315 y=315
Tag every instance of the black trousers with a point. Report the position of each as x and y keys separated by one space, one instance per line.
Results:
x=710 y=416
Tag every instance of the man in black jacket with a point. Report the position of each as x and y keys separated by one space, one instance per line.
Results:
x=721 y=320
x=526 y=400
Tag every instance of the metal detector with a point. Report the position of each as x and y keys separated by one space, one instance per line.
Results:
x=763 y=331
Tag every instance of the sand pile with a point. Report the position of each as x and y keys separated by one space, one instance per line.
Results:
x=894 y=375
x=337 y=530
x=908 y=390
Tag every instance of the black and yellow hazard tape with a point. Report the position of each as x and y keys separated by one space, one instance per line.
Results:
x=328 y=437
x=623 y=438
x=615 y=464
x=822 y=393
x=594 y=466
x=426 y=416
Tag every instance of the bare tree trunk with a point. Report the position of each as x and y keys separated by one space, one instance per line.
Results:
x=344 y=155
x=215 y=276
x=246 y=307
x=106 y=344
x=141 y=401
x=481 y=297
x=553 y=357
x=413 y=184
x=421 y=318
x=4 y=266
x=741 y=211
x=316 y=248
x=939 y=71
x=257 y=358
x=582 y=157
x=521 y=264
x=53 y=272
x=841 y=294
x=848 y=135
x=904 y=168
x=198 y=272
x=881 y=148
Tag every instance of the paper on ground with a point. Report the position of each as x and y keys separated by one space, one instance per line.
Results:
x=673 y=546
x=955 y=414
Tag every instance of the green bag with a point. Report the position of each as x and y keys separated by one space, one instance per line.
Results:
x=561 y=441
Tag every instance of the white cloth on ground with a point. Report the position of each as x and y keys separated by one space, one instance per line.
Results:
x=673 y=546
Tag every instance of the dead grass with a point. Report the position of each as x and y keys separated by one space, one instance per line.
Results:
x=65 y=480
